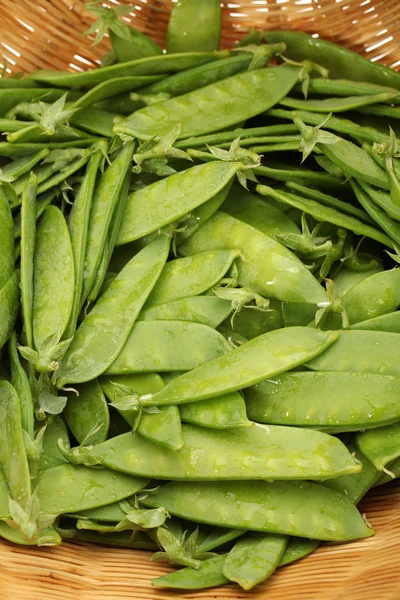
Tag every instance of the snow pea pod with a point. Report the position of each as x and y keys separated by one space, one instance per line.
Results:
x=103 y=332
x=345 y=279
x=345 y=401
x=362 y=352
x=9 y=296
x=163 y=427
x=389 y=322
x=297 y=548
x=207 y=310
x=251 y=323
x=382 y=199
x=113 y=87
x=280 y=274
x=217 y=537
x=68 y=489
x=380 y=446
x=112 y=513
x=299 y=174
x=326 y=213
x=7 y=240
x=227 y=137
x=28 y=232
x=334 y=105
x=222 y=412
x=345 y=87
x=153 y=65
x=193 y=27
x=13 y=456
x=263 y=357
x=257 y=452
x=169 y=199
x=20 y=150
x=191 y=276
x=20 y=381
x=51 y=456
x=390 y=112
x=103 y=205
x=47 y=537
x=93 y=121
x=24 y=165
x=168 y=346
x=214 y=107
x=389 y=225
x=208 y=575
x=254 y=558
x=304 y=509
x=87 y=415
x=41 y=203
x=10 y=98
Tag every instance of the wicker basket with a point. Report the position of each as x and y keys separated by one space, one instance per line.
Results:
x=48 y=34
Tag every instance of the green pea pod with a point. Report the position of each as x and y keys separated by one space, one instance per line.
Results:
x=118 y=539
x=143 y=383
x=20 y=381
x=25 y=149
x=13 y=457
x=389 y=323
x=168 y=346
x=335 y=401
x=334 y=105
x=280 y=274
x=51 y=456
x=250 y=323
x=267 y=452
x=112 y=513
x=380 y=446
x=297 y=548
x=162 y=427
x=345 y=280
x=47 y=536
x=326 y=213
x=208 y=575
x=253 y=559
x=302 y=509
x=389 y=225
x=222 y=412
x=24 y=165
x=346 y=87
x=382 y=199
x=104 y=202
x=87 y=414
x=246 y=207
x=208 y=310
x=148 y=210
x=10 y=98
x=191 y=276
x=104 y=331
x=154 y=65
x=41 y=203
x=362 y=352
x=193 y=27
x=211 y=108
x=7 y=240
x=388 y=477
x=68 y=489
x=263 y=357
x=373 y=296
x=9 y=296
x=28 y=232
x=217 y=537
x=295 y=314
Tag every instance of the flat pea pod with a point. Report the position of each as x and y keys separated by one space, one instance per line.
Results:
x=104 y=331
x=251 y=323
x=7 y=240
x=389 y=225
x=337 y=401
x=105 y=199
x=299 y=174
x=394 y=468
x=280 y=274
x=381 y=446
x=154 y=65
x=304 y=509
x=87 y=415
x=68 y=488
x=297 y=548
x=169 y=199
x=24 y=165
x=334 y=105
x=257 y=452
x=208 y=575
x=20 y=381
x=142 y=383
x=265 y=356
x=382 y=199
x=254 y=211
x=207 y=310
x=94 y=121
x=112 y=513
x=294 y=314
x=9 y=97
x=158 y=346
x=254 y=558
x=47 y=537
x=113 y=87
x=345 y=280
x=9 y=296
x=25 y=149
x=191 y=276
x=389 y=322
x=217 y=537
x=362 y=352
x=53 y=278
x=214 y=107
x=222 y=412
x=50 y=455
x=28 y=231
x=120 y=539
x=326 y=213
x=13 y=456
x=346 y=87
x=193 y=27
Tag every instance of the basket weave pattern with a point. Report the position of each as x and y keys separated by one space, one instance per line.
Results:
x=48 y=34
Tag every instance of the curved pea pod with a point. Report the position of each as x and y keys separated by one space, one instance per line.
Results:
x=112 y=513
x=254 y=558
x=257 y=452
x=297 y=548
x=104 y=331
x=140 y=383
x=213 y=107
x=334 y=105
x=217 y=537
x=167 y=200
x=255 y=211
x=304 y=509
x=263 y=357
x=193 y=27
x=335 y=401
x=47 y=536
x=207 y=310
x=20 y=381
x=28 y=230
x=390 y=226
x=345 y=279
x=162 y=427
x=251 y=323
x=389 y=322
x=380 y=446
x=373 y=296
x=265 y=265
x=13 y=456
x=69 y=489
x=362 y=352
x=112 y=87
x=168 y=346
x=222 y=412
x=87 y=415
x=382 y=199
x=8 y=307
x=191 y=276
x=209 y=574
x=50 y=455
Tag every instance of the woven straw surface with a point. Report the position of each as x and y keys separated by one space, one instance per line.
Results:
x=48 y=34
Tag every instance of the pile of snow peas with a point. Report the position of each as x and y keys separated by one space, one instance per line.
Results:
x=199 y=294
